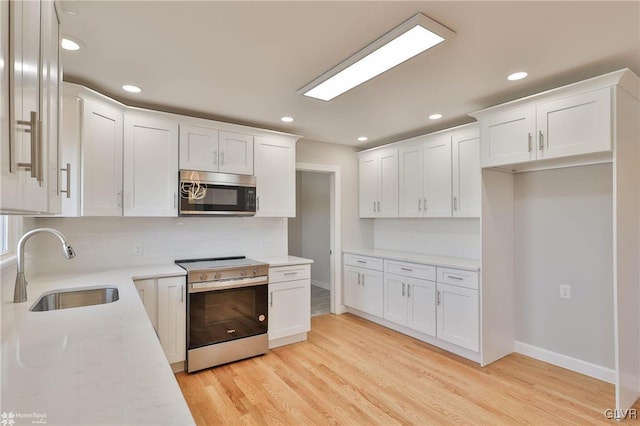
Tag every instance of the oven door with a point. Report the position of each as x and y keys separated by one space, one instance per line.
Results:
x=217 y=316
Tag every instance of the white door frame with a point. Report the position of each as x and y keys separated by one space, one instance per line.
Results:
x=335 y=239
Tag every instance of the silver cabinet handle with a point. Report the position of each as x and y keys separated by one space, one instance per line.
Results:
x=374 y=206
x=222 y=158
x=68 y=187
x=438 y=297
x=271 y=299
x=541 y=140
x=406 y=269
x=402 y=289
x=455 y=203
x=419 y=205
x=424 y=204
x=378 y=206
x=359 y=283
x=408 y=290
x=32 y=125
x=361 y=261
x=291 y=273
x=215 y=156
x=119 y=198
x=181 y=294
x=530 y=142
x=455 y=278
x=257 y=203
x=363 y=283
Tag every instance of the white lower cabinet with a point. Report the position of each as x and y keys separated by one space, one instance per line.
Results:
x=165 y=301
x=289 y=304
x=363 y=287
x=436 y=304
x=410 y=302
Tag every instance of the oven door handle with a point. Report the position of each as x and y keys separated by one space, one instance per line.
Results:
x=225 y=284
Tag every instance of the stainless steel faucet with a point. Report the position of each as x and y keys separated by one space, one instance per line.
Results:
x=20 y=290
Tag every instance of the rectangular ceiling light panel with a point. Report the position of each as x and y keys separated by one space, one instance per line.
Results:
x=412 y=37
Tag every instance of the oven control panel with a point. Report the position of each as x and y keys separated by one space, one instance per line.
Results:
x=229 y=274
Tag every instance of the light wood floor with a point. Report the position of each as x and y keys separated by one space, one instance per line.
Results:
x=353 y=372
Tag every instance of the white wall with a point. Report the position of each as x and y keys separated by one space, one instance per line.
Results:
x=294 y=233
x=315 y=211
x=563 y=235
x=440 y=237
x=356 y=233
x=107 y=242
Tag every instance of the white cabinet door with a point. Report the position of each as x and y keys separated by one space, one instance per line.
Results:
x=21 y=189
x=289 y=308
x=70 y=154
x=388 y=184
x=172 y=317
x=508 y=137
x=458 y=320
x=467 y=175
x=368 y=191
x=410 y=181
x=575 y=125
x=147 y=290
x=275 y=171
x=437 y=177
x=395 y=299
x=373 y=287
x=236 y=153
x=421 y=296
x=198 y=148
x=378 y=183
x=353 y=291
x=101 y=159
x=150 y=165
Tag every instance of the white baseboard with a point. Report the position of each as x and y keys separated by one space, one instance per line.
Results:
x=321 y=284
x=579 y=366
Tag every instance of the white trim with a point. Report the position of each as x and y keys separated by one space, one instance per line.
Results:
x=335 y=228
x=321 y=284
x=579 y=366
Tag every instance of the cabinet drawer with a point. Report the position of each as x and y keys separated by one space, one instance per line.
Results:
x=415 y=270
x=289 y=273
x=468 y=279
x=374 y=263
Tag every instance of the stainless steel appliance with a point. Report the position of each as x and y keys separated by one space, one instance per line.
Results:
x=227 y=310
x=222 y=194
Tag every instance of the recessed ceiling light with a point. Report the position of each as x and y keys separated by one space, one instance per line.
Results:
x=414 y=36
x=435 y=116
x=517 y=76
x=131 y=89
x=287 y=119
x=363 y=138
x=68 y=44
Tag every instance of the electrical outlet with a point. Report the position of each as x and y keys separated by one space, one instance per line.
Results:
x=138 y=249
x=565 y=291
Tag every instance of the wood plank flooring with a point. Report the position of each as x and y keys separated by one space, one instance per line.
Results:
x=354 y=372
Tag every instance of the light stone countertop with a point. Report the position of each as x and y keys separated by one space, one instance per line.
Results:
x=99 y=364
x=284 y=260
x=447 y=262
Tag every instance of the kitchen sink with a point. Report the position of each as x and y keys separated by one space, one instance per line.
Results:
x=74 y=298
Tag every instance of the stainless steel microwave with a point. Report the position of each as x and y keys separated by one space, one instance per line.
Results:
x=222 y=194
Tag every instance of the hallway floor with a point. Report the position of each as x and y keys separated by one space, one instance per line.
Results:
x=320 y=303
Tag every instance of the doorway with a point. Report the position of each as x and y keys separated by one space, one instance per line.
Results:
x=314 y=232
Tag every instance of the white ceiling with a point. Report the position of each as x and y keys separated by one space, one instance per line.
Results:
x=243 y=62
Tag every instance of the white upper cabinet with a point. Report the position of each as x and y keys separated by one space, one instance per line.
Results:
x=570 y=121
x=467 y=175
x=275 y=173
x=378 y=178
x=30 y=30
x=437 y=177
x=198 y=148
x=236 y=153
x=150 y=180
x=211 y=150
x=102 y=124
x=440 y=175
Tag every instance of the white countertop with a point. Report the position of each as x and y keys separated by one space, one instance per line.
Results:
x=98 y=364
x=447 y=262
x=284 y=260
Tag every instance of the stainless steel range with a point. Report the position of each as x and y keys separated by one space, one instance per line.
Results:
x=227 y=310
